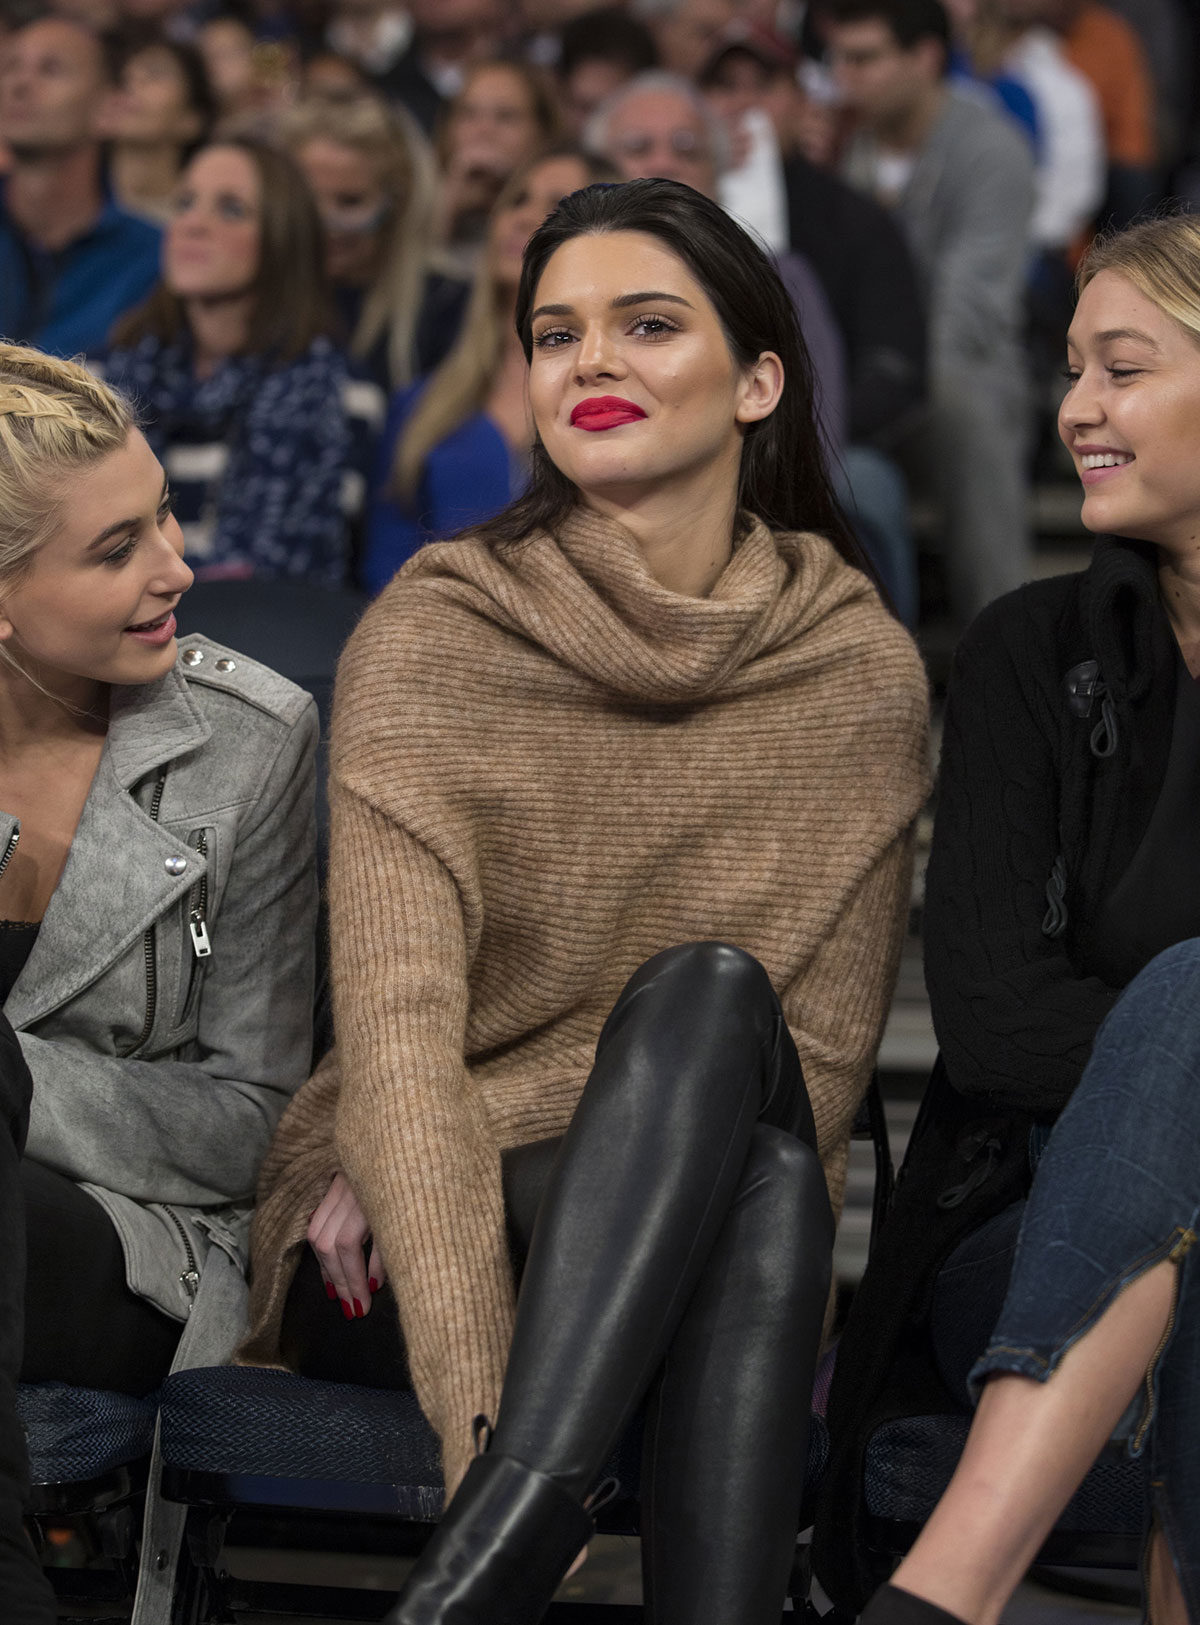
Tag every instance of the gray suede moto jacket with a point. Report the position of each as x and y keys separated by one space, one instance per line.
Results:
x=166 y=1008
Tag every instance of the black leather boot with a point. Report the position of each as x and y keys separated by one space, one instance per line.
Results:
x=498 y=1556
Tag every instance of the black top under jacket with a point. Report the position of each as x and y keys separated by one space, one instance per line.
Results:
x=1058 y=732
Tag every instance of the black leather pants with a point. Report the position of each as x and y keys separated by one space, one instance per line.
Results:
x=682 y=1250
x=674 y=1247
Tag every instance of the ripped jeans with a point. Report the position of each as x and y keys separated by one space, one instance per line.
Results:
x=1116 y=1190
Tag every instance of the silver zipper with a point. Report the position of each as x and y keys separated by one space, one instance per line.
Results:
x=190 y=1277
x=1178 y=1253
x=197 y=925
x=149 y=938
x=10 y=848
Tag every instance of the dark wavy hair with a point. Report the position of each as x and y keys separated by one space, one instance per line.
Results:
x=784 y=480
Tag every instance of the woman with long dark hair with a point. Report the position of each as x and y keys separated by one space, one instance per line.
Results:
x=623 y=784
x=233 y=367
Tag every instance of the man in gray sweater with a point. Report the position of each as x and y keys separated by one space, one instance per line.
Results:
x=960 y=178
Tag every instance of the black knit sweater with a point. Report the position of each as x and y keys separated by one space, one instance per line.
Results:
x=1058 y=730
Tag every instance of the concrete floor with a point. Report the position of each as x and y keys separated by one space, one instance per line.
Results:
x=611 y=1575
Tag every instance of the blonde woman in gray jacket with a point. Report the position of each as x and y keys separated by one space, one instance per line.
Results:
x=157 y=903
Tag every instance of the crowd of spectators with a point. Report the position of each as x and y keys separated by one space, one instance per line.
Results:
x=292 y=229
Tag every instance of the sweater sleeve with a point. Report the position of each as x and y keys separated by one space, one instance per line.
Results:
x=837 y=1007
x=411 y=1130
x=1014 y=1019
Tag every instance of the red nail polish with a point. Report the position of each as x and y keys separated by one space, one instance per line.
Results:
x=373 y=1284
x=346 y=1310
x=358 y=1310
x=330 y=1291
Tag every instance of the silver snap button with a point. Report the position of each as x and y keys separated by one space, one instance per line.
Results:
x=226 y=665
x=175 y=866
x=193 y=657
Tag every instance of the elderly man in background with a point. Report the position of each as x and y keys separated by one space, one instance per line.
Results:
x=71 y=261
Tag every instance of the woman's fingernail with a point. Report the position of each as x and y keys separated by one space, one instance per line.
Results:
x=373 y=1284
x=330 y=1291
x=346 y=1310
x=358 y=1310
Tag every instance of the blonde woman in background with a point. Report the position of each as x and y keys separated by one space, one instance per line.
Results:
x=157 y=912
x=371 y=172
x=455 y=447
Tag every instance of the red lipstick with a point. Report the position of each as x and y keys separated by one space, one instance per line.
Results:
x=604 y=412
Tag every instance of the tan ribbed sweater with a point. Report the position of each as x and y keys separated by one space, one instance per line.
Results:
x=545 y=768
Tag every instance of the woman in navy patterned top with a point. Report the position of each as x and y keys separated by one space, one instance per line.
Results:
x=238 y=381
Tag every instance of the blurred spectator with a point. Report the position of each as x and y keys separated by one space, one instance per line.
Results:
x=71 y=260
x=1105 y=48
x=961 y=181
x=754 y=70
x=374 y=34
x=252 y=78
x=372 y=177
x=448 y=37
x=745 y=82
x=1169 y=39
x=329 y=77
x=601 y=51
x=161 y=110
x=169 y=17
x=542 y=23
x=456 y=447
x=226 y=42
x=685 y=31
x=1011 y=37
x=852 y=243
x=234 y=373
x=504 y=114
x=99 y=16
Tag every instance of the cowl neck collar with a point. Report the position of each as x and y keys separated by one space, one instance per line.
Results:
x=586 y=596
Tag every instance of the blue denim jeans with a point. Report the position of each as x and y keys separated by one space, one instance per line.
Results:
x=1116 y=1190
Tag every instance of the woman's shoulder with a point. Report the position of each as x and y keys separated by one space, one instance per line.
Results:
x=839 y=595
x=445 y=585
x=1029 y=630
x=322 y=365
x=215 y=675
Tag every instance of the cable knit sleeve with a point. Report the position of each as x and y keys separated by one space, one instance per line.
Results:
x=1014 y=1019
x=411 y=1131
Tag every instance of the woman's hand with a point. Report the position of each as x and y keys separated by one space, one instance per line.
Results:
x=338 y=1232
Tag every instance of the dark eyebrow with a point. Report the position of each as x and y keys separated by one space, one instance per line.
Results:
x=118 y=525
x=621 y=302
x=627 y=299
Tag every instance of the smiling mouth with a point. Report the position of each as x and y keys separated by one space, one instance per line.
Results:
x=1106 y=459
x=151 y=626
x=605 y=412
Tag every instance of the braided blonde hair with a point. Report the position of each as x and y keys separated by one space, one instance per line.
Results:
x=55 y=417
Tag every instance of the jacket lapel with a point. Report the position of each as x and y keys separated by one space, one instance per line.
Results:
x=116 y=881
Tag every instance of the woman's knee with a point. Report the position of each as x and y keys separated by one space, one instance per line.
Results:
x=711 y=973
x=784 y=1180
x=1149 y=1045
